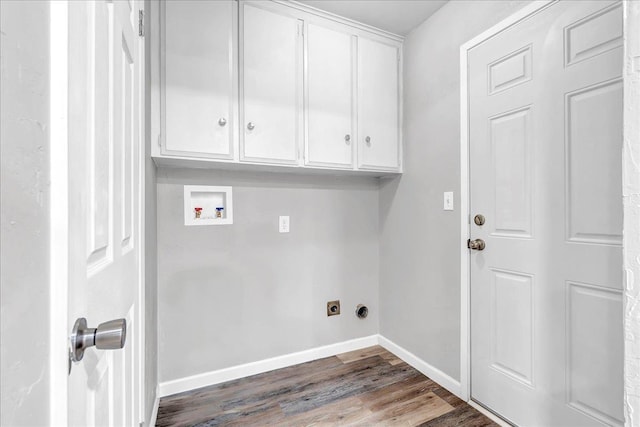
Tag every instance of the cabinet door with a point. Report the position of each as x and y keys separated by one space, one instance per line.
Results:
x=271 y=63
x=378 y=105
x=198 y=78
x=330 y=138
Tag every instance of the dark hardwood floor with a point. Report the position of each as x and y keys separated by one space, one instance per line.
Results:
x=368 y=387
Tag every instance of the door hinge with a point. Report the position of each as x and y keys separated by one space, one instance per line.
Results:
x=141 y=23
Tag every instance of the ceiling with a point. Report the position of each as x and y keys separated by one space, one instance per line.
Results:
x=396 y=16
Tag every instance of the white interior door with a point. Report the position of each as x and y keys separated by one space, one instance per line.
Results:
x=105 y=75
x=330 y=83
x=271 y=56
x=546 y=153
x=198 y=77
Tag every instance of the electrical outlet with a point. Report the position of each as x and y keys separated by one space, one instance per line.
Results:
x=283 y=224
x=333 y=308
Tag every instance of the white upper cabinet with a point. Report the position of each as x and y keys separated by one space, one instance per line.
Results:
x=378 y=105
x=330 y=138
x=198 y=78
x=271 y=84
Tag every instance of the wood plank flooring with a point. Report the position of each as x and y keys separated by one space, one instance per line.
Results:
x=368 y=387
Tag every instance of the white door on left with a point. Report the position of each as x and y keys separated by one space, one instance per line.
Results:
x=104 y=175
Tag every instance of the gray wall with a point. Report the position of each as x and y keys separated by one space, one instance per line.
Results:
x=24 y=225
x=151 y=248
x=419 y=242
x=239 y=293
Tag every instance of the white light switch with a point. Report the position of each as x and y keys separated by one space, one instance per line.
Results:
x=284 y=224
x=448 y=200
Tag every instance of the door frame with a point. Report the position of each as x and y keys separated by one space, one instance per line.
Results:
x=59 y=33
x=58 y=217
x=465 y=214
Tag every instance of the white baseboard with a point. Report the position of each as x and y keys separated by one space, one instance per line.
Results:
x=432 y=372
x=216 y=377
x=156 y=405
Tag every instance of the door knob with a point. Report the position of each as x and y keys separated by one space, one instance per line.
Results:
x=477 y=244
x=109 y=335
x=347 y=138
x=368 y=140
x=222 y=121
x=251 y=126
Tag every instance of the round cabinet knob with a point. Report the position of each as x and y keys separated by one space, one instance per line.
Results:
x=368 y=140
x=347 y=139
x=222 y=121
x=251 y=126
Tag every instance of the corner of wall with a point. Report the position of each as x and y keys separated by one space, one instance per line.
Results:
x=151 y=386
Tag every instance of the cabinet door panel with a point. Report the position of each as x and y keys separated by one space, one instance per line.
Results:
x=271 y=61
x=377 y=105
x=329 y=98
x=198 y=78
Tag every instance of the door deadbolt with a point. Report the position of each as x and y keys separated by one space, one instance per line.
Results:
x=476 y=245
x=109 y=335
x=479 y=219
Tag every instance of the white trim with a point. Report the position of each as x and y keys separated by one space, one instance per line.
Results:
x=141 y=237
x=465 y=278
x=227 y=374
x=484 y=411
x=156 y=406
x=631 y=194
x=430 y=371
x=59 y=240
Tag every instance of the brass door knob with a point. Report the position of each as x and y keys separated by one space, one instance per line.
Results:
x=476 y=245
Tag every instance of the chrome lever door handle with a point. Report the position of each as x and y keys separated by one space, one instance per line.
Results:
x=477 y=244
x=110 y=335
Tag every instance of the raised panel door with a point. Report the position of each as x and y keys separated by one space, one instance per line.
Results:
x=105 y=78
x=545 y=126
